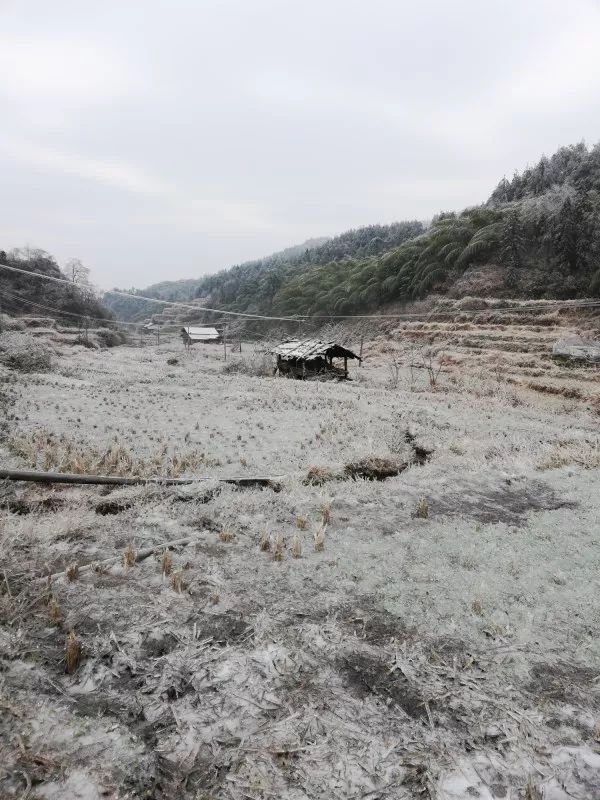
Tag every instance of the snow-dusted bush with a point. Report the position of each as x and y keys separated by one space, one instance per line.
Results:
x=110 y=338
x=23 y=353
x=259 y=365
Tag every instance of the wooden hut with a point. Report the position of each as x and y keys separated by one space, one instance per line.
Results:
x=312 y=358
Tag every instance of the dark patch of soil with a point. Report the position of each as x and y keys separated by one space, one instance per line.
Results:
x=446 y=650
x=202 y=778
x=375 y=468
x=159 y=643
x=563 y=682
x=212 y=550
x=206 y=523
x=106 y=507
x=22 y=506
x=421 y=454
x=375 y=626
x=505 y=502
x=368 y=675
x=223 y=629
x=100 y=704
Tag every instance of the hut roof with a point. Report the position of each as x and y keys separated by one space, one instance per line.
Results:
x=201 y=334
x=310 y=349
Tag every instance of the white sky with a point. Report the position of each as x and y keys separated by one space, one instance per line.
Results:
x=160 y=139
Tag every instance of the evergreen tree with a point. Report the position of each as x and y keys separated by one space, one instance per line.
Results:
x=511 y=247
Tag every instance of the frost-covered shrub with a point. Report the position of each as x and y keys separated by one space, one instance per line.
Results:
x=258 y=364
x=11 y=323
x=23 y=353
x=110 y=338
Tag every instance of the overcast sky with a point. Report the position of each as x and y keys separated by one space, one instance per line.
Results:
x=161 y=139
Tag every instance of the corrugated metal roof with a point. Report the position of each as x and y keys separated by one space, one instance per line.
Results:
x=201 y=334
x=309 y=349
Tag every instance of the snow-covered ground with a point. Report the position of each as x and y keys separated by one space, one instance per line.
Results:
x=439 y=640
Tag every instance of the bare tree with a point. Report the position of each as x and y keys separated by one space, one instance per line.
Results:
x=77 y=273
x=432 y=363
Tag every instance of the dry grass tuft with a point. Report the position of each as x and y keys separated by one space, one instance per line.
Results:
x=226 y=535
x=422 y=509
x=532 y=791
x=72 y=571
x=296 y=546
x=265 y=541
x=48 y=451
x=301 y=523
x=326 y=513
x=319 y=537
x=73 y=653
x=579 y=454
x=129 y=557
x=477 y=607
x=277 y=547
x=166 y=562
x=54 y=610
x=177 y=583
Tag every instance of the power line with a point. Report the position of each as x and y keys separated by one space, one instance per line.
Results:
x=300 y=318
x=68 y=313
x=154 y=299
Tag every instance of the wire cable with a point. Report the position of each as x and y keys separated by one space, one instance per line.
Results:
x=300 y=318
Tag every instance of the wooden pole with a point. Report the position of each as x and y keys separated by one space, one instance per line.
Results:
x=121 y=480
x=225 y=343
x=362 y=338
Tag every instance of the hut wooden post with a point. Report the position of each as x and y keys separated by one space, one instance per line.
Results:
x=345 y=366
x=362 y=338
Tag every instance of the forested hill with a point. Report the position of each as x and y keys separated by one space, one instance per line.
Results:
x=128 y=308
x=538 y=235
x=27 y=295
x=251 y=285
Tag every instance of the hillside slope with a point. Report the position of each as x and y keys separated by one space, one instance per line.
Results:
x=23 y=294
x=252 y=285
x=537 y=236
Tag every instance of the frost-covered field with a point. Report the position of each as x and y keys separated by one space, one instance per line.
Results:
x=432 y=635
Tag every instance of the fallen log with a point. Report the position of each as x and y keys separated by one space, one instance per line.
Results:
x=135 y=480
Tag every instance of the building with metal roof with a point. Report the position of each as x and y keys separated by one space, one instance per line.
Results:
x=191 y=335
x=306 y=358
